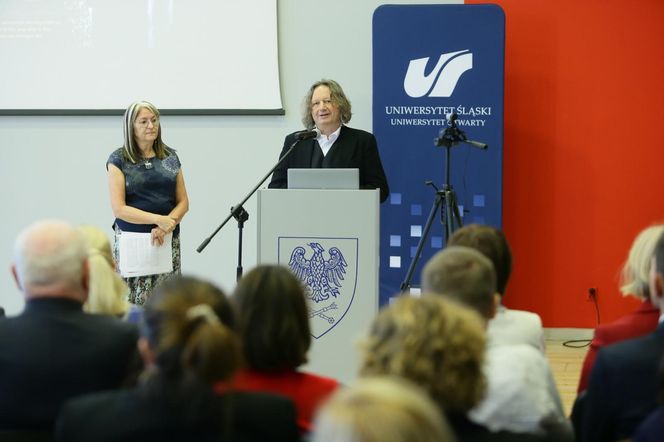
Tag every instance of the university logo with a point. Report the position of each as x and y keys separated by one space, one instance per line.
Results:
x=442 y=80
x=327 y=268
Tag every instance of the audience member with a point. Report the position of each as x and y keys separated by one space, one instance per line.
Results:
x=522 y=396
x=508 y=326
x=381 y=409
x=634 y=277
x=53 y=350
x=108 y=292
x=273 y=322
x=622 y=388
x=186 y=347
x=439 y=345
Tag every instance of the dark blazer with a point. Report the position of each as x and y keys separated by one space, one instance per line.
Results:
x=652 y=428
x=149 y=414
x=354 y=148
x=623 y=387
x=54 y=351
x=637 y=323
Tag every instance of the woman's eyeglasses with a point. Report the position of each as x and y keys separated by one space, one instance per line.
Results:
x=144 y=122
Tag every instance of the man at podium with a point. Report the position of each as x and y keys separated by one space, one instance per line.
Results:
x=327 y=110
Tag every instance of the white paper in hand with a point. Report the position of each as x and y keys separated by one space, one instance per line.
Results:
x=138 y=257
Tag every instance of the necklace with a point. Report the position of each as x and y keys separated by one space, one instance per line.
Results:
x=147 y=162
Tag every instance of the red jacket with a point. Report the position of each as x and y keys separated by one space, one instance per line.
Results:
x=308 y=391
x=638 y=323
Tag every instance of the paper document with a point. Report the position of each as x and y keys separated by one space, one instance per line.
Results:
x=138 y=257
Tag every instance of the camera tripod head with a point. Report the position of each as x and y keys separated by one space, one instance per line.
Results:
x=452 y=135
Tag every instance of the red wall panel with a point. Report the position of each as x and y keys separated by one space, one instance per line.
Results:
x=583 y=151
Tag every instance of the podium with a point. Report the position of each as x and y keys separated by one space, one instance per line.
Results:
x=329 y=238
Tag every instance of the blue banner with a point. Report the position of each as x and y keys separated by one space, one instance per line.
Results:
x=430 y=61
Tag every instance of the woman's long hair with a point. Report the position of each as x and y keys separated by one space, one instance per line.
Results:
x=131 y=150
x=187 y=324
x=108 y=292
x=272 y=319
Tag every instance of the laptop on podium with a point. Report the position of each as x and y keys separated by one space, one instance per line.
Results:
x=324 y=179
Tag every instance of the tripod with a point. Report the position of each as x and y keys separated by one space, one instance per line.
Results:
x=446 y=203
x=446 y=199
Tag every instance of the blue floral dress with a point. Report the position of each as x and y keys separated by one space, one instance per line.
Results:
x=150 y=186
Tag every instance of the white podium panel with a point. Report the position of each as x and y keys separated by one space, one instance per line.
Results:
x=329 y=239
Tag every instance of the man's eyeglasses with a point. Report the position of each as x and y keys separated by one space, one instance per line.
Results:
x=319 y=103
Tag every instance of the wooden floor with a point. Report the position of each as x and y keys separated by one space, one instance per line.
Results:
x=566 y=365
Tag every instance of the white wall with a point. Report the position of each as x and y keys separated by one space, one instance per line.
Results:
x=53 y=167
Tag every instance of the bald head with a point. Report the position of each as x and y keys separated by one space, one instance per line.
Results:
x=464 y=274
x=50 y=260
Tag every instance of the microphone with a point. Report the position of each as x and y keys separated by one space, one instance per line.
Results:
x=306 y=134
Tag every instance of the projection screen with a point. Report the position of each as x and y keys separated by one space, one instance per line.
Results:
x=74 y=57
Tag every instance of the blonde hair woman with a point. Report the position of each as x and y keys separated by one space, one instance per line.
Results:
x=432 y=341
x=634 y=282
x=381 y=409
x=438 y=344
x=108 y=292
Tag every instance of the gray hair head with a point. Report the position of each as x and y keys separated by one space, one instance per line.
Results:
x=131 y=150
x=337 y=95
x=50 y=256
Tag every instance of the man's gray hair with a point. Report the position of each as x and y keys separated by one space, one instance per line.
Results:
x=337 y=95
x=463 y=274
x=48 y=253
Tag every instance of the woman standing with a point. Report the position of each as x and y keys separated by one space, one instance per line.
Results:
x=147 y=191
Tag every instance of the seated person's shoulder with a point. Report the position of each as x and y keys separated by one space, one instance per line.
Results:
x=524 y=316
x=623 y=329
x=321 y=382
x=275 y=412
x=516 y=327
x=327 y=381
x=260 y=399
x=606 y=334
x=95 y=410
x=104 y=325
x=516 y=355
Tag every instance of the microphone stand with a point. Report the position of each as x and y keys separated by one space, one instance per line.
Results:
x=241 y=215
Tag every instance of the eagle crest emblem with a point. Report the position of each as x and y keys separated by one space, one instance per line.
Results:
x=327 y=268
x=322 y=278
